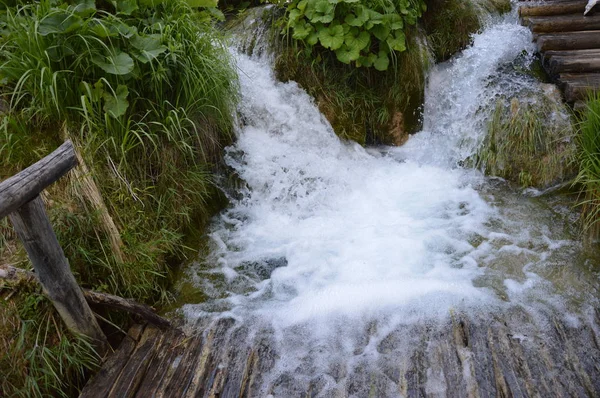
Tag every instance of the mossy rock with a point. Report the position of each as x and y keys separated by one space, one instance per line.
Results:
x=449 y=25
x=362 y=104
x=530 y=140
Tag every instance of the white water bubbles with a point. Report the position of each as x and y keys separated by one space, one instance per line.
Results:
x=341 y=252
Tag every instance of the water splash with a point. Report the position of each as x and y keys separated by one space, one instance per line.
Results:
x=334 y=246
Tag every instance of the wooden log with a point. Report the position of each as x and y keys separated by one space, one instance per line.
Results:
x=555 y=8
x=590 y=53
x=560 y=64
x=577 y=91
x=119 y=303
x=52 y=268
x=17 y=275
x=563 y=23
x=26 y=185
x=569 y=40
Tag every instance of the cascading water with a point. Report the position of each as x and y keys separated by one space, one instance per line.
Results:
x=336 y=253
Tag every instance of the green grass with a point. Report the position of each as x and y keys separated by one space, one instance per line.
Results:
x=529 y=143
x=151 y=137
x=449 y=25
x=38 y=356
x=589 y=166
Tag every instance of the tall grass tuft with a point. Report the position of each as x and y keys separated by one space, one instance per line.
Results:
x=589 y=166
x=530 y=143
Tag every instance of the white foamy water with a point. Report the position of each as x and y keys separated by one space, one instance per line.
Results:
x=327 y=238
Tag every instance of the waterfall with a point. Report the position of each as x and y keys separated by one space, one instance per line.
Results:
x=337 y=251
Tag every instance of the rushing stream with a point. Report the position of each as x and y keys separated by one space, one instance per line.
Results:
x=336 y=251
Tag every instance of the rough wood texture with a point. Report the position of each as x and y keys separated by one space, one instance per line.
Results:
x=551 y=8
x=569 y=41
x=52 y=269
x=506 y=355
x=16 y=276
x=583 y=64
x=26 y=185
x=562 y=23
x=569 y=44
x=119 y=303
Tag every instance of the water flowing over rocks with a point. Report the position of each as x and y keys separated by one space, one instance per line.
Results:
x=339 y=271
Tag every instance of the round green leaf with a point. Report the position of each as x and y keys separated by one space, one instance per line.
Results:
x=312 y=38
x=116 y=64
x=116 y=104
x=302 y=30
x=346 y=54
x=397 y=41
x=149 y=47
x=357 y=41
x=59 y=22
x=332 y=37
x=381 y=32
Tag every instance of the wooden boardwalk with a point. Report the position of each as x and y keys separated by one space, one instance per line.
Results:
x=503 y=355
x=568 y=42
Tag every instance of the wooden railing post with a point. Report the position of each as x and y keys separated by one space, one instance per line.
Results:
x=52 y=268
x=20 y=200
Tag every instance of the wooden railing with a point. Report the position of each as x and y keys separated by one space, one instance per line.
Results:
x=20 y=200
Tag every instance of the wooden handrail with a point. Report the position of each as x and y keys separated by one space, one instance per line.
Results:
x=26 y=185
x=20 y=200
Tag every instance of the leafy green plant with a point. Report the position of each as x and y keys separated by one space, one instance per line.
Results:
x=364 y=33
x=146 y=90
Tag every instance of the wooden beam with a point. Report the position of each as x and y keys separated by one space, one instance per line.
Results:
x=562 y=23
x=560 y=64
x=527 y=9
x=52 y=269
x=569 y=40
x=26 y=185
x=16 y=276
x=143 y=311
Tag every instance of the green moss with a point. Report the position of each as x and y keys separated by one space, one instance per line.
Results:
x=363 y=105
x=449 y=25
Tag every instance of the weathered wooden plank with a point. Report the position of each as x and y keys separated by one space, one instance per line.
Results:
x=588 y=53
x=163 y=364
x=527 y=9
x=558 y=65
x=569 y=40
x=562 y=23
x=26 y=185
x=134 y=371
x=100 y=385
x=52 y=268
x=586 y=77
x=17 y=275
x=184 y=371
x=579 y=90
